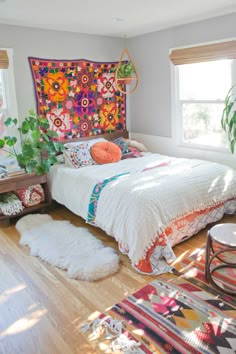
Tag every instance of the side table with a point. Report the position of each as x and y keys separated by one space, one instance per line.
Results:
x=223 y=235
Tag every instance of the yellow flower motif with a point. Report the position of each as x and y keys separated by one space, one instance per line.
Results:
x=93 y=87
x=56 y=86
x=76 y=120
x=109 y=116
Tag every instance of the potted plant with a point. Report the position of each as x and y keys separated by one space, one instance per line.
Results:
x=38 y=149
x=125 y=71
x=228 y=119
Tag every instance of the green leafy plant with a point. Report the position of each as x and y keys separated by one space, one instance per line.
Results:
x=38 y=149
x=125 y=70
x=228 y=119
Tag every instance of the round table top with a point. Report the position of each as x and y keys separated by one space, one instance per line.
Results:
x=224 y=234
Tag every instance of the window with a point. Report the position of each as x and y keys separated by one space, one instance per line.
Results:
x=202 y=88
x=204 y=75
x=8 y=105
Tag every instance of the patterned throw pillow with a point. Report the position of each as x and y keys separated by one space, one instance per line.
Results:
x=122 y=145
x=78 y=156
x=31 y=195
x=133 y=153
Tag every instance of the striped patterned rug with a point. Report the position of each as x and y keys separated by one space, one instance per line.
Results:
x=176 y=313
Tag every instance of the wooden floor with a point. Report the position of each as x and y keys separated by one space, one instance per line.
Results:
x=41 y=308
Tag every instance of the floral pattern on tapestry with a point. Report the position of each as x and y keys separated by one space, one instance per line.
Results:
x=78 y=97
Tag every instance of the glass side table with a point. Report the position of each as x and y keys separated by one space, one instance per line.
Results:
x=223 y=235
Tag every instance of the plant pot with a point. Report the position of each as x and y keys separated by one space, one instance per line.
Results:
x=125 y=80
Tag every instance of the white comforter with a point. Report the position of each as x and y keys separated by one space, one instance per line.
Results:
x=135 y=207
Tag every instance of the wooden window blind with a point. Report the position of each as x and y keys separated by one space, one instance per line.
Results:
x=216 y=51
x=4 y=61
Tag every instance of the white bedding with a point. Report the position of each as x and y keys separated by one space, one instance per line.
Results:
x=136 y=207
x=73 y=187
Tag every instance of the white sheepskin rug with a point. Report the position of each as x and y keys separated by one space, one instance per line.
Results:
x=68 y=247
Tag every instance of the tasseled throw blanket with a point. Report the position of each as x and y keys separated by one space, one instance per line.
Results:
x=10 y=204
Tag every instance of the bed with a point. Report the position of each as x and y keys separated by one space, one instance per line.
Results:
x=148 y=204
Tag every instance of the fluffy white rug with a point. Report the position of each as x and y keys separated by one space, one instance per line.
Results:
x=68 y=247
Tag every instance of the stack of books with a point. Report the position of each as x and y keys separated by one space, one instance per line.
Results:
x=9 y=167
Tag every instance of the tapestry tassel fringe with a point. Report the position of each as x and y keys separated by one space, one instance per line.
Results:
x=110 y=329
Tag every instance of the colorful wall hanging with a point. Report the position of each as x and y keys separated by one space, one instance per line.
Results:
x=78 y=97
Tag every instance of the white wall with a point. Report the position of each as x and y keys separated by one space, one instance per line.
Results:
x=51 y=45
x=150 y=105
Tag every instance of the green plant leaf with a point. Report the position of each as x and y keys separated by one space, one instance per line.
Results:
x=58 y=147
x=45 y=137
x=52 y=134
x=39 y=170
x=2 y=143
x=11 y=141
x=25 y=127
x=232 y=145
x=36 y=134
x=10 y=122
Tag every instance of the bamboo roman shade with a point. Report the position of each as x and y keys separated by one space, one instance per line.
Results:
x=216 y=51
x=4 y=61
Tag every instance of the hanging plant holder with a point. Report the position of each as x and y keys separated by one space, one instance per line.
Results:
x=126 y=73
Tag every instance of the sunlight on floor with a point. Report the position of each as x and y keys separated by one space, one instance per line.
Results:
x=179 y=259
x=94 y=315
x=24 y=323
x=7 y=293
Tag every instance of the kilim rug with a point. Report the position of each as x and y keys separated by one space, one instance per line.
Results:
x=175 y=313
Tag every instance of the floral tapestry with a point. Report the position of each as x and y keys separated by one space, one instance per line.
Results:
x=78 y=97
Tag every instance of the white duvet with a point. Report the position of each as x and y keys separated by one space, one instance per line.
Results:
x=136 y=207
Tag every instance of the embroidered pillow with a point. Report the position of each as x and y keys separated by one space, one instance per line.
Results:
x=105 y=152
x=122 y=145
x=136 y=144
x=78 y=156
x=133 y=153
x=31 y=195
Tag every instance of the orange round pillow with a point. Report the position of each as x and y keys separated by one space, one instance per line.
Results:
x=105 y=152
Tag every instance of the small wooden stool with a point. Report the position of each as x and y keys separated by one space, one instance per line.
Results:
x=224 y=235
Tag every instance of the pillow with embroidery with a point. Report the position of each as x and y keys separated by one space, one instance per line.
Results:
x=78 y=156
x=31 y=195
x=122 y=145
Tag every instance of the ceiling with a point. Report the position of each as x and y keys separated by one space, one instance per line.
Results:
x=115 y=18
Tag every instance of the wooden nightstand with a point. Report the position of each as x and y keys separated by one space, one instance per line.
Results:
x=10 y=184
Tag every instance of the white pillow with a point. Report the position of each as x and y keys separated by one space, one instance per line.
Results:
x=90 y=142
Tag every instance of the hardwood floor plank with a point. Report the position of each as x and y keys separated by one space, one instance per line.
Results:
x=41 y=308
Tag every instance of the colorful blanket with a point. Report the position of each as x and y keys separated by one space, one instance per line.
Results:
x=138 y=209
